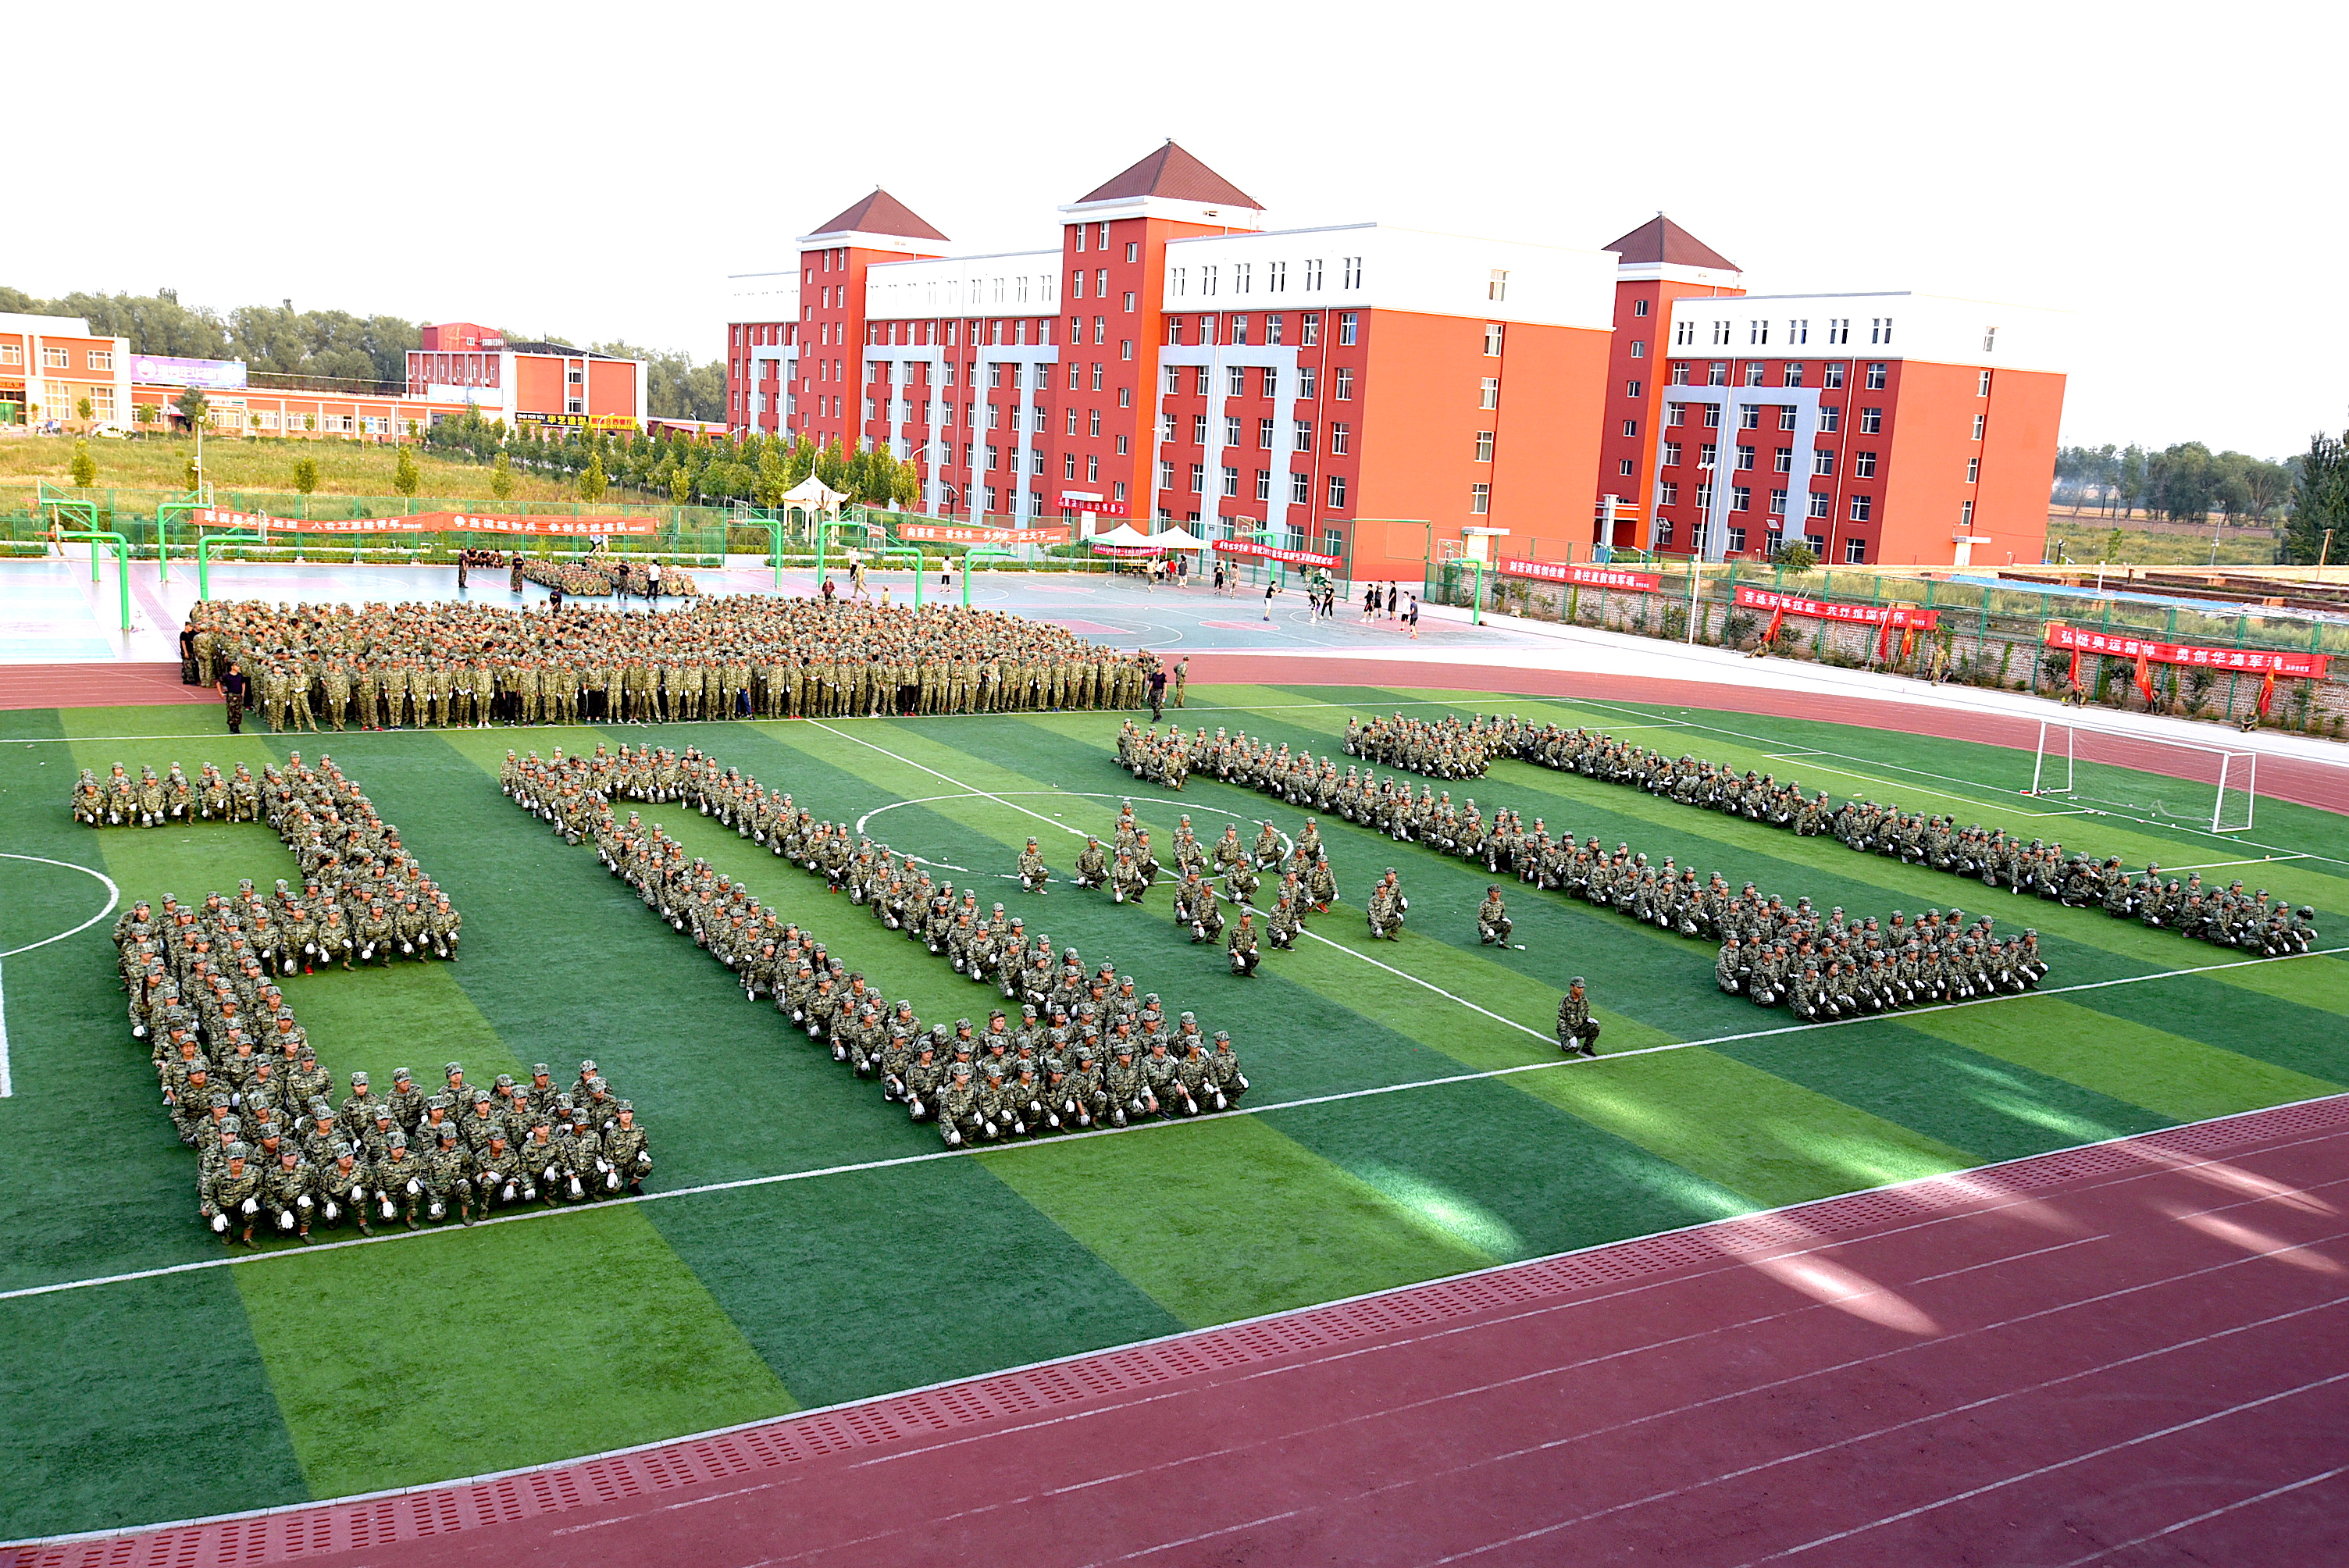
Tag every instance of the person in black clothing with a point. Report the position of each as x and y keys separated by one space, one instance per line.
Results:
x=1157 y=693
x=464 y=558
x=233 y=689
x=553 y=597
x=188 y=656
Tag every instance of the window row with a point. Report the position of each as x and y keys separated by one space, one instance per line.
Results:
x=1276 y=328
x=1242 y=276
x=1791 y=373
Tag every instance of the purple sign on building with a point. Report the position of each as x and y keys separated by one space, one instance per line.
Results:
x=212 y=374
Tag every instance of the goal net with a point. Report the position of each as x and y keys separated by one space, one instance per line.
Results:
x=2149 y=778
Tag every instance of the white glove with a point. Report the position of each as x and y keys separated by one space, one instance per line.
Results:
x=284 y=1218
x=436 y=1210
x=576 y=1190
x=644 y=1158
x=220 y=1222
x=612 y=1183
x=509 y=1193
x=333 y=1211
x=414 y=1188
x=250 y=1206
x=302 y=1201
x=389 y=1211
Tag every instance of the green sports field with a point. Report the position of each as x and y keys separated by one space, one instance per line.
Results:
x=804 y=1244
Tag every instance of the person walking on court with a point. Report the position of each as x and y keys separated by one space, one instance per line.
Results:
x=1411 y=617
x=1370 y=602
x=1390 y=601
x=513 y=581
x=1271 y=592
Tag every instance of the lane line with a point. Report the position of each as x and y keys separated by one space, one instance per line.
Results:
x=894 y=1162
x=2270 y=1494
x=7 y=1084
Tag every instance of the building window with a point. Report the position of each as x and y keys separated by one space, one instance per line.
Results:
x=1876 y=376
x=1483 y=446
x=1708 y=454
x=1831 y=375
x=1631 y=389
x=1231 y=481
x=1313 y=274
x=1353 y=272
x=1855 y=551
x=1753 y=374
x=1480 y=500
x=1631 y=427
x=1786 y=416
x=1880 y=329
x=1348 y=326
x=1675 y=414
x=1757 y=334
x=1264 y=484
x=1716 y=373
x=1863 y=465
x=1231 y=429
x=1264 y=435
x=1239 y=329
x=1240 y=271
x=1782 y=460
x=1276 y=277
x=1819 y=503
x=1823 y=462
x=1683 y=334
x=1704 y=497
x=1745 y=457
x=1973 y=470
x=992 y=454
x=1336 y=490
x=1638 y=307
x=1966 y=515
x=1871 y=421
x=1093 y=467
x=1304 y=434
x=1736 y=541
x=1839 y=329
x=1749 y=416
x=1860 y=507
x=100 y=358
x=1624 y=467
x=1712 y=416
x=1980 y=422
x=1668 y=492
x=1338 y=434
x=1269 y=381
x=1794 y=374
x=1720 y=333
x=1638 y=348
x=1199 y=478
x=1492 y=339
x=1301 y=489
x=1489 y=395
x=1309 y=377
x=55 y=358
x=1235 y=380
x=1741 y=499
x=1308 y=327
x=1830 y=418
x=1272 y=328
x=1777 y=504
x=1174 y=381
x=1342 y=384
x=1671 y=458
x=1206 y=280
x=1497 y=288
x=1068 y=465
x=1798 y=331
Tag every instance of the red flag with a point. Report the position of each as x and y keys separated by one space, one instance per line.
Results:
x=1777 y=619
x=1907 y=644
x=2267 y=691
x=1884 y=642
x=2145 y=675
x=2076 y=667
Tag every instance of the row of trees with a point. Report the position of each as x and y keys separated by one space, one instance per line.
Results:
x=760 y=469
x=2186 y=483
x=280 y=340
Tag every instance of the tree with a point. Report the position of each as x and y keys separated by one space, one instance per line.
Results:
x=1796 y=557
x=85 y=467
x=83 y=409
x=404 y=476
x=501 y=478
x=680 y=485
x=189 y=479
x=2320 y=504
x=193 y=406
x=591 y=479
x=305 y=475
x=309 y=421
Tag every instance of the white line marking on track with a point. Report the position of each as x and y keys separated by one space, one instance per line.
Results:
x=2272 y=1492
x=889 y=1163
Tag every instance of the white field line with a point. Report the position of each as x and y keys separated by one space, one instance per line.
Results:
x=2215 y=865
x=7 y=1085
x=892 y=1163
x=113 y=897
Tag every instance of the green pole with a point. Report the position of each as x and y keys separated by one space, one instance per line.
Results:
x=121 y=562
x=204 y=555
x=775 y=529
x=1477 y=605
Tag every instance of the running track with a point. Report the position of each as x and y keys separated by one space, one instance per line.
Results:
x=2133 y=1353
x=2309 y=783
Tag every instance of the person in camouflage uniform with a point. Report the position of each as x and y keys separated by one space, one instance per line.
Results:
x=1493 y=923
x=1578 y=1031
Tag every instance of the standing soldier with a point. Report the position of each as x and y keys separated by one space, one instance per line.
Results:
x=1182 y=678
x=1578 y=1031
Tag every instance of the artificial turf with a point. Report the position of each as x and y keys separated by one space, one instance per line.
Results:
x=415 y=1359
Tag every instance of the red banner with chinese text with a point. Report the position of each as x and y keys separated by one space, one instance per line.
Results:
x=942 y=534
x=1582 y=576
x=2131 y=645
x=1255 y=551
x=1835 y=610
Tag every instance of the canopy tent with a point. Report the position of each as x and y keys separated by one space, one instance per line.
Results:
x=1177 y=539
x=812 y=494
x=1123 y=535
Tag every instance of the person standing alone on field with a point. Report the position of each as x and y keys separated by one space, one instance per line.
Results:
x=234 y=688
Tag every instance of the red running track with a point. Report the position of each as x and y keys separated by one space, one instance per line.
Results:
x=2130 y=1353
x=96 y=685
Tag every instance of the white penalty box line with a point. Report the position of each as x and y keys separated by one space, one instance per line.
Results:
x=892 y=1163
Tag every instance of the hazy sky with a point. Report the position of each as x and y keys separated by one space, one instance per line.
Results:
x=598 y=170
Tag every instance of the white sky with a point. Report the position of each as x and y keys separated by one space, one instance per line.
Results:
x=2168 y=173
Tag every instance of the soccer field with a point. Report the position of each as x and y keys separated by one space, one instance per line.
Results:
x=803 y=1244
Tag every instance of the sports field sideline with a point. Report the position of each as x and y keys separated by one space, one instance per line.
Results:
x=803 y=1244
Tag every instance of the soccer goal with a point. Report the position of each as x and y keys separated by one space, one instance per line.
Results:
x=2151 y=778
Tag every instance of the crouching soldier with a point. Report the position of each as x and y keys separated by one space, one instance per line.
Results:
x=1093 y=864
x=959 y=1118
x=498 y=1177
x=541 y=1167
x=289 y=1193
x=231 y=1197
x=1196 y=911
x=1578 y=1031
x=344 y=1187
x=1223 y=1071
x=1241 y=945
x=1493 y=923
x=1161 y=1074
x=1129 y=1095
x=625 y=1152
x=1033 y=874
x=398 y=1181
x=447 y=1177
x=1729 y=969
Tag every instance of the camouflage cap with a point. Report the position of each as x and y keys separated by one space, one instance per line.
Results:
x=452 y=1067
x=240 y=1152
x=396 y=1141
x=505 y=1080
x=342 y=1150
x=358 y=1080
x=221 y=1101
x=626 y=1105
x=399 y=1074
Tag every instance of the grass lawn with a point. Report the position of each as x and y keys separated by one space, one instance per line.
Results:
x=153 y=462
x=834 y=1255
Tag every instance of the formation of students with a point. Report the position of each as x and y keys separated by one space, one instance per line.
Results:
x=1087 y=1049
x=2248 y=921
x=748 y=657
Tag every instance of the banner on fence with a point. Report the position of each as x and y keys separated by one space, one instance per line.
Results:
x=1255 y=551
x=1835 y=610
x=942 y=534
x=2129 y=646
x=215 y=517
x=1582 y=576
x=1135 y=551
x=430 y=523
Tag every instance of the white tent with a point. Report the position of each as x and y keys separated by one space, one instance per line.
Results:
x=1177 y=539
x=1124 y=534
x=812 y=495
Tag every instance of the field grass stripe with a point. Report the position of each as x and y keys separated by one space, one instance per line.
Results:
x=883 y=1164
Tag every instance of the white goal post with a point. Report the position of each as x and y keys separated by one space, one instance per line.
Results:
x=2230 y=775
